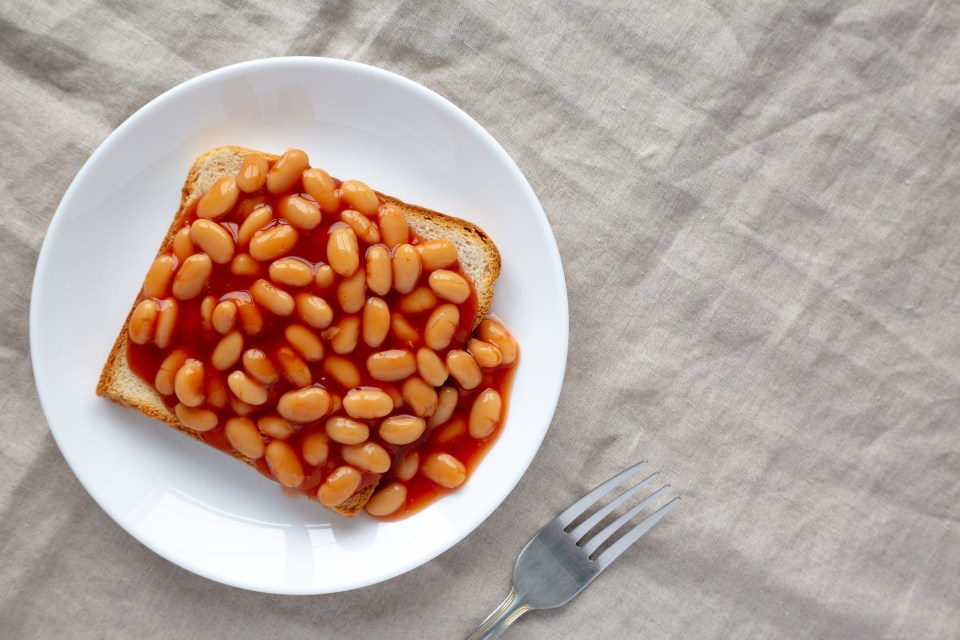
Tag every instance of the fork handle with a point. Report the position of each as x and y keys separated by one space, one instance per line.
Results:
x=501 y=618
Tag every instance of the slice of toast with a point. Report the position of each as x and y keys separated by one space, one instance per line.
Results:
x=478 y=259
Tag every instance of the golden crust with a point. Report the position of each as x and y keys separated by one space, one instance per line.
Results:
x=469 y=238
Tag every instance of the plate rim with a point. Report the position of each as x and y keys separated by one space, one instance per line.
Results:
x=551 y=393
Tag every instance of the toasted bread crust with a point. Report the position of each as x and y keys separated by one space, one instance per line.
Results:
x=429 y=224
x=121 y=385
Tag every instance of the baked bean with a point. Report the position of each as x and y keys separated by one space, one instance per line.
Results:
x=244 y=265
x=207 y=305
x=315 y=448
x=239 y=407
x=196 y=419
x=441 y=325
x=454 y=429
x=449 y=285
x=352 y=291
x=360 y=197
x=420 y=397
x=257 y=220
x=393 y=226
x=401 y=430
x=284 y=463
x=395 y=395
x=276 y=427
x=446 y=404
x=273 y=243
x=182 y=245
x=343 y=253
x=250 y=317
x=485 y=413
x=305 y=342
x=342 y=483
x=246 y=388
x=464 y=369
x=367 y=404
x=314 y=310
x=324 y=276
x=406 y=268
x=379 y=270
x=444 y=469
x=243 y=436
x=294 y=369
x=216 y=392
x=188 y=383
x=403 y=329
x=246 y=206
x=168 y=370
x=228 y=351
x=275 y=300
x=192 y=276
x=346 y=431
x=259 y=366
x=417 y=301
x=368 y=456
x=431 y=367
x=320 y=186
x=347 y=332
x=213 y=240
x=487 y=355
x=239 y=298
x=166 y=322
x=365 y=228
x=299 y=212
x=224 y=316
x=343 y=371
x=391 y=365
x=376 y=322
x=219 y=199
x=286 y=171
x=143 y=321
x=437 y=254
x=252 y=174
x=490 y=330
x=409 y=466
x=304 y=405
x=335 y=403
x=387 y=500
x=291 y=271
x=159 y=275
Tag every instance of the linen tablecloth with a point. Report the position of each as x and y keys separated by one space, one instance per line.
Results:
x=756 y=205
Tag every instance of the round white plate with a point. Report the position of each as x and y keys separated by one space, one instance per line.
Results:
x=196 y=506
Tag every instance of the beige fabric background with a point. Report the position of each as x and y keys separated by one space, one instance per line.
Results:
x=756 y=206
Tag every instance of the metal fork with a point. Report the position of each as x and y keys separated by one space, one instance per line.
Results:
x=557 y=564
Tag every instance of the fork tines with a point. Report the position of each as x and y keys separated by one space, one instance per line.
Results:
x=590 y=544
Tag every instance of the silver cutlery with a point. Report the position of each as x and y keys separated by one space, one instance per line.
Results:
x=561 y=560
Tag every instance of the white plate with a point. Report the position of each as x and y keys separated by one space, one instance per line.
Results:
x=196 y=506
